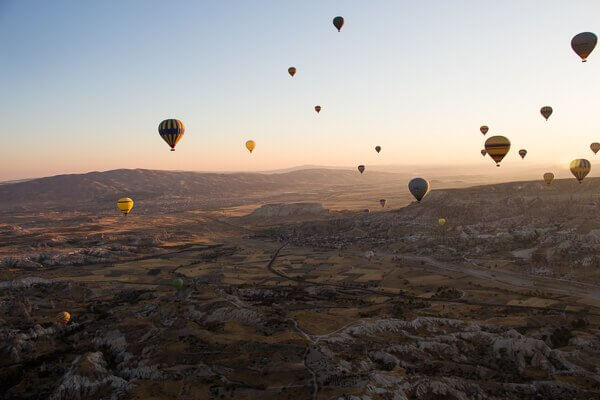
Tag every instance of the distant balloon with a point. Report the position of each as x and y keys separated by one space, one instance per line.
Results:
x=369 y=254
x=338 y=22
x=483 y=152
x=318 y=109
x=522 y=153
x=292 y=71
x=361 y=168
x=250 y=145
x=497 y=147
x=546 y=112
x=378 y=148
x=63 y=318
x=171 y=130
x=177 y=283
x=382 y=202
x=595 y=147
x=418 y=187
x=583 y=44
x=125 y=205
x=580 y=168
x=548 y=177
x=442 y=221
x=484 y=129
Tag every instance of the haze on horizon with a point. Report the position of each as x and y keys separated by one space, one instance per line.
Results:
x=89 y=83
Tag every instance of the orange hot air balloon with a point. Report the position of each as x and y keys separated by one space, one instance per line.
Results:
x=63 y=318
x=583 y=44
x=250 y=145
x=522 y=153
x=292 y=71
x=595 y=147
x=497 y=147
x=546 y=112
x=484 y=129
x=338 y=22
x=318 y=109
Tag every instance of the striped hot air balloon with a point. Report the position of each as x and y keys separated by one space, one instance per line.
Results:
x=580 y=168
x=63 y=318
x=171 y=130
x=484 y=129
x=497 y=147
x=595 y=147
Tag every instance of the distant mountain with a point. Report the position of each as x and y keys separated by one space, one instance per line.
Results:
x=102 y=187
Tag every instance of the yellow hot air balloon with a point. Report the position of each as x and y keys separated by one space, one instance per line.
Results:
x=595 y=147
x=125 y=205
x=292 y=71
x=580 y=168
x=546 y=112
x=63 y=318
x=497 y=147
x=484 y=129
x=250 y=145
x=171 y=130
x=442 y=221
x=548 y=177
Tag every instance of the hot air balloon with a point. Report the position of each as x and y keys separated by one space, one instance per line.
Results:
x=292 y=71
x=583 y=44
x=595 y=147
x=369 y=254
x=484 y=129
x=546 y=111
x=177 y=283
x=497 y=147
x=361 y=168
x=442 y=221
x=378 y=148
x=548 y=177
x=483 y=152
x=250 y=145
x=418 y=187
x=338 y=22
x=63 y=318
x=318 y=109
x=382 y=202
x=580 y=168
x=171 y=130
x=522 y=153
x=125 y=205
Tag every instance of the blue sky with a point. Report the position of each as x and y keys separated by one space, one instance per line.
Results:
x=85 y=84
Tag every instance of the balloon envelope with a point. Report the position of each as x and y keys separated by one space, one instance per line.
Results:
x=125 y=204
x=583 y=43
x=361 y=168
x=483 y=129
x=250 y=145
x=522 y=153
x=546 y=112
x=442 y=221
x=595 y=147
x=497 y=147
x=171 y=130
x=318 y=109
x=382 y=202
x=378 y=148
x=63 y=318
x=580 y=168
x=418 y=187
x=548 y=177
x=292 y=71
x=483 y=152
x=338 y=22
x=177 y=283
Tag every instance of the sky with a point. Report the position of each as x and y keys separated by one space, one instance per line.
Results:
x=85 y=84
